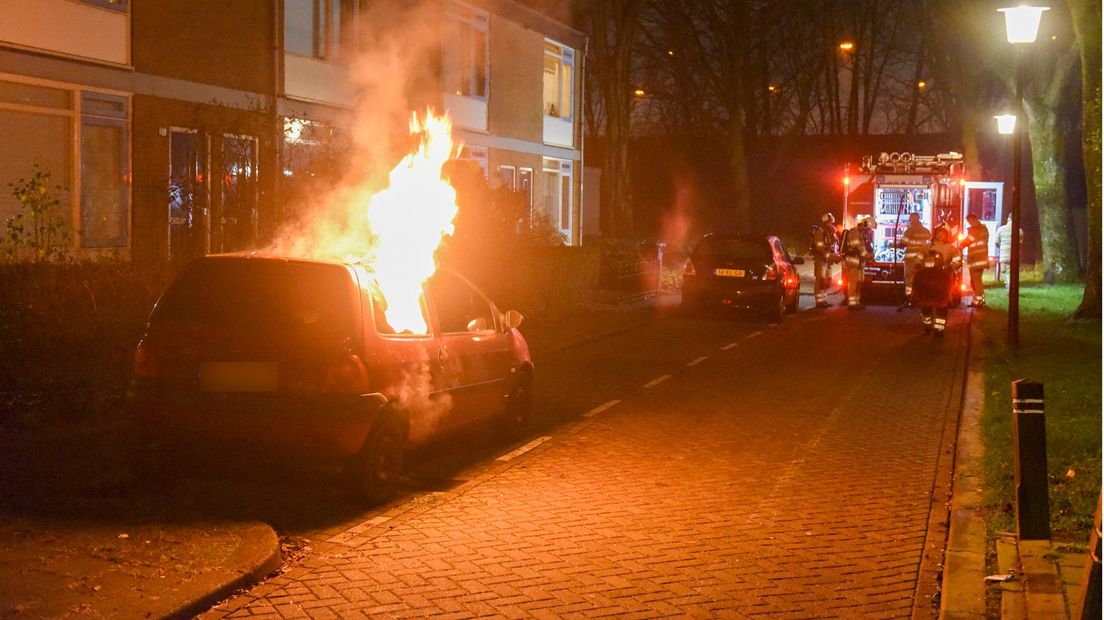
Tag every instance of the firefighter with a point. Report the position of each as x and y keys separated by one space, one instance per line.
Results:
x=977 y=257
x=823 y=248
x=933 y=284
x=857 y=250
x=915 y=240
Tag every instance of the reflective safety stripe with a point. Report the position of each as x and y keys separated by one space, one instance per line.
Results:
x=927 y=320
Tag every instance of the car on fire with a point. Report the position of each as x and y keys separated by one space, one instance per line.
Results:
x=297 y=356
x=743 y=272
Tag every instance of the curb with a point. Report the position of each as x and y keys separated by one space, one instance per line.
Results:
x=267 y=560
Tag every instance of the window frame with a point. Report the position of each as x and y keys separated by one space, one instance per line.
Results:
x=477 y=20
x=564 y=55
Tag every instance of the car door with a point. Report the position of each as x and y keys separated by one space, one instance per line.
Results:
x=471 y=347
x=786 y=270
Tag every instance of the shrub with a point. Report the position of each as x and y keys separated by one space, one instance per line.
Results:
x=36 y=231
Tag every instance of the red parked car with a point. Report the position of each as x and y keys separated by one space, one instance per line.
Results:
x=740 y=271
x=297 y=355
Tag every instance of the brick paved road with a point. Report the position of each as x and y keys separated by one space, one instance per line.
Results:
x=793 y=474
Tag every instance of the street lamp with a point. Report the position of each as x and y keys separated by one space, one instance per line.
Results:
x=1006 y=124
x=1022 y=26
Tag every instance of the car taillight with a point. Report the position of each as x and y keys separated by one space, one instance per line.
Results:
x=347 y=376
x=771 y=273
x=839 y=282
x=689 y=270
x=963 y=287
x=144 y=363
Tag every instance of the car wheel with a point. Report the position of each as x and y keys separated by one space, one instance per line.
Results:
x=518 y=415
x=374 y=471
x=793 y=307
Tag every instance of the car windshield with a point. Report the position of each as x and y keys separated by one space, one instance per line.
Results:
x=288 y=299
x=734 y=248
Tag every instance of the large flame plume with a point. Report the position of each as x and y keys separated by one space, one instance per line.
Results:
x=410 y=218
x=397 y=230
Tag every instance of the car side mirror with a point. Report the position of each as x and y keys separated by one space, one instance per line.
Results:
x=477 y=325
x=511 y=319
x=797 y=260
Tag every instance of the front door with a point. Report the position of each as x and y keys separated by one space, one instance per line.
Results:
x=189 y=226
x=237 y=213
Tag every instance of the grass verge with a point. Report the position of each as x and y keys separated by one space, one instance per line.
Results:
x=1065 y=356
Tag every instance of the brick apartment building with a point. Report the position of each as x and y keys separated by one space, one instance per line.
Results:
x=173 y=141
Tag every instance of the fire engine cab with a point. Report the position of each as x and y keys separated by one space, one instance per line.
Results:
x=889 y=189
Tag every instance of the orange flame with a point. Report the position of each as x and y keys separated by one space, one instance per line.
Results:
x=397 y=230
x=410 y=218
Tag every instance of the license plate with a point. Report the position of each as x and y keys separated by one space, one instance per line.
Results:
x=729 y=273
x=239 y=377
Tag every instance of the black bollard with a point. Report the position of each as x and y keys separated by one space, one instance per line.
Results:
x=1029 y=461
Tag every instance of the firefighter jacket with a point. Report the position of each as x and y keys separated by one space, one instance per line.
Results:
x=823 y=243
x=915 y=241
x=856 y=249
x=977 y=246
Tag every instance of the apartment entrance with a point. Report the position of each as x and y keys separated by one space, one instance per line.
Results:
x=189 y=222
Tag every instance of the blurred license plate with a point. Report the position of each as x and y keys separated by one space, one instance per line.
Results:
x=731 y=273
x=239 y=377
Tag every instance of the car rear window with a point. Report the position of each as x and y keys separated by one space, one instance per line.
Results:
x=277 y=298
x=734 y=248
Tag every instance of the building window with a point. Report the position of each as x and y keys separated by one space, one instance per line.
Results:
x=557 y=192
x=506 y=178
x=525 y=185
x=559 y=65
x=104 y=171
x=238 y=217
x=317 y=28
x=42 y=124
x=464 y=52
x=477 y=155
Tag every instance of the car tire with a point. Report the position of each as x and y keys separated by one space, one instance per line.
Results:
x=518 y=414
x=792 y=308
x=373 y=473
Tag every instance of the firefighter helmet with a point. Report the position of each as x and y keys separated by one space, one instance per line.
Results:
x=827 y=218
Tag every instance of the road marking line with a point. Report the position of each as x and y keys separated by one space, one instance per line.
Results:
x=731 y=345
x=656 y=381
x=522 y=450
x=697 y=361
x=753 y=334
x=601 y=408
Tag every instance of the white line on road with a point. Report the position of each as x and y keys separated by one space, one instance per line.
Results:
x=522 y=450
x=697 y=361
x=731 y=345
x=601 y=408
x=754 y=334
x=656 y=381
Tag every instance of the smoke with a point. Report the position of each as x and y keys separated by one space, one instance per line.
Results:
x=395 y=72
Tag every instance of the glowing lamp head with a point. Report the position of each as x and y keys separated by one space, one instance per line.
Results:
x=638 y=92
x=1021 y=23
x=1006 y=124
x=846 y=46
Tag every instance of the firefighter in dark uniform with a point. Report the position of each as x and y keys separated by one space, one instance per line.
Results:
x=915 y=240
x=823 y=248
x=857 y=250
x=977 y=257
x=933 y=285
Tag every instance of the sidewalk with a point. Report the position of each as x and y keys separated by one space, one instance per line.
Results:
x=1044 y=578
x=76 y=552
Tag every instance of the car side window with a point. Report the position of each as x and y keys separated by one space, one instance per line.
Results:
x=460 y=308
x=785 y=253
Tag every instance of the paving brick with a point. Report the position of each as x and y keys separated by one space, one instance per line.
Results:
x=726 y=491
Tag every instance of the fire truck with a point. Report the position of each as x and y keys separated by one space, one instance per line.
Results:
x=891 y=187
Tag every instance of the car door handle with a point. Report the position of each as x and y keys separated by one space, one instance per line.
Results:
x=442 y=355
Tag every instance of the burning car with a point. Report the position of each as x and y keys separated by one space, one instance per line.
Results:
x=300 y=356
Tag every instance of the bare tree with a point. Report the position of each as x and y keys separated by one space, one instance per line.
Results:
x=613 y=25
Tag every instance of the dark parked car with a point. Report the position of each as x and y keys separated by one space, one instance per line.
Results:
x=740 y=271
x=297 y=356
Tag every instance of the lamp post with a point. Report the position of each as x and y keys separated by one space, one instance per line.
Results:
x=1022 y=27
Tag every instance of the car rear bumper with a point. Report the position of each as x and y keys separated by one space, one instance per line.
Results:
x=742 y=294
x=319 y=426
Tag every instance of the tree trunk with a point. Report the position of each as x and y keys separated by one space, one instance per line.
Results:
x=741 y=188
x=1060 y=262
x=1086 y=23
